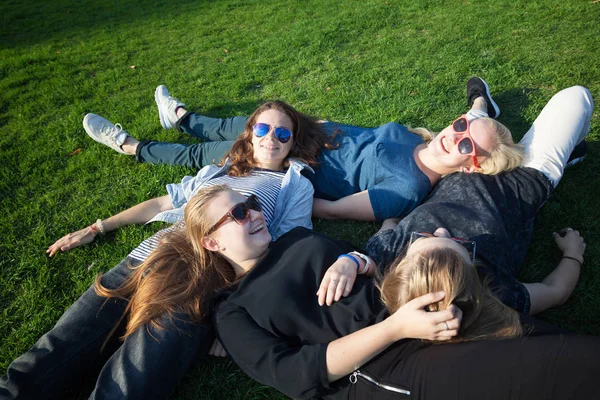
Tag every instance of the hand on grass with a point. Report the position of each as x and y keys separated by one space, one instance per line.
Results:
x=571 y=244
x=337 y=281
x=412 y=321
x=72 y=240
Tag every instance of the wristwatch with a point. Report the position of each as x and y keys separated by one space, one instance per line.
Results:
x=367 y=261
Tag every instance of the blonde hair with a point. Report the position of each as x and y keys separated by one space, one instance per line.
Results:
x=506 y=155
x=178 y=276
x=484 y=316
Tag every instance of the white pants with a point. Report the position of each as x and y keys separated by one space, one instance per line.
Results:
x=563 y=123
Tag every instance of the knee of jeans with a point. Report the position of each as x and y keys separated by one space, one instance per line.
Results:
x=116 y=276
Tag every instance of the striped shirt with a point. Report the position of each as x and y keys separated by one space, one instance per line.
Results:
x=264 y=184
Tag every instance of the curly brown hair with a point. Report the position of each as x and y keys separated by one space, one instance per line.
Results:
x=308 y=137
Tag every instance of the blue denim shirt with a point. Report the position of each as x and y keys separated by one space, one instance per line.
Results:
x=293 y=207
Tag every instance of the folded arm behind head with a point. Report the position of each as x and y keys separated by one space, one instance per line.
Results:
x=444 y=269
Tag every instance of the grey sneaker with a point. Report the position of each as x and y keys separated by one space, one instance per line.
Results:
x=166 y=107
x=477 y=87
x=103 y=131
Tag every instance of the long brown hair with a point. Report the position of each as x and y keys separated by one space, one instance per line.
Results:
x=308 y=138
x=179 y=274
x=484 y=316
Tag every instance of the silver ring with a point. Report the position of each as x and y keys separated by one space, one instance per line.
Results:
x=334 y=281
x=447 y=327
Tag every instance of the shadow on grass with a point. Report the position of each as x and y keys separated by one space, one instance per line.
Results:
x=38 y=21
x=512 y=103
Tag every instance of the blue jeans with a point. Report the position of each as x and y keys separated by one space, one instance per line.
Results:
x=218 y=136
x=148 y=364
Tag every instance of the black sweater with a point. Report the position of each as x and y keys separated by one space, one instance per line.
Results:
x=273 y=327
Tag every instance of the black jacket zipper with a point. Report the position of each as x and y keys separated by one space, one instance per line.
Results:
x=356 y=374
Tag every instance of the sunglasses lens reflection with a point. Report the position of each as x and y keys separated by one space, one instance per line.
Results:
x=261 y=129
x=283 y=134
x=465 y=146
x=460 y=125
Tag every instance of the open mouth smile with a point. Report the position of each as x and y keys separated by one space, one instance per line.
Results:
x=257 y=229
x=443 y=144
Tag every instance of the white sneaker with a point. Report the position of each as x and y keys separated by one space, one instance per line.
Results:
x=166 y=107
x=103 y=131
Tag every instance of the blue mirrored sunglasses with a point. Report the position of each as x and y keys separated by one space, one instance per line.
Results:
x=282 y=134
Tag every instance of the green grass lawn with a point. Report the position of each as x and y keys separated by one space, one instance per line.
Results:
x=363 y=62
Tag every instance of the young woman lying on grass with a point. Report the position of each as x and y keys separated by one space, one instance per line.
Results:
x=292 y=343
x=267 y=166
x=356 y=348
x=371 y=174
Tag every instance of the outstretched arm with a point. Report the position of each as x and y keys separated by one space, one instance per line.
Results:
x=356 y=206
x=137 y=214
x=556 y=288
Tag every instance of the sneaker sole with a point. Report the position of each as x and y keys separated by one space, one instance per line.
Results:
x=164 y=121
x=574 y=161
x=487 y=92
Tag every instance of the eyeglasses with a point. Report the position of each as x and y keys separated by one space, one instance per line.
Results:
x=282 y=134
x=466 y=145
x=240 y=213
x=469 y=245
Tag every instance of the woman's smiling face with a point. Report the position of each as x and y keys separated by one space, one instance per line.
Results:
x=445 y=145
x=269 y=152
x=238 y=242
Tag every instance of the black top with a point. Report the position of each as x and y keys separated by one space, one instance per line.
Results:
x=497 y=212
x=273 y=327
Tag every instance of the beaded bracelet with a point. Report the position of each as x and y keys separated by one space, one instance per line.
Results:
x=98 y=227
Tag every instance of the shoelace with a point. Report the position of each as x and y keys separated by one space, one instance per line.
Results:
x=116 y=136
